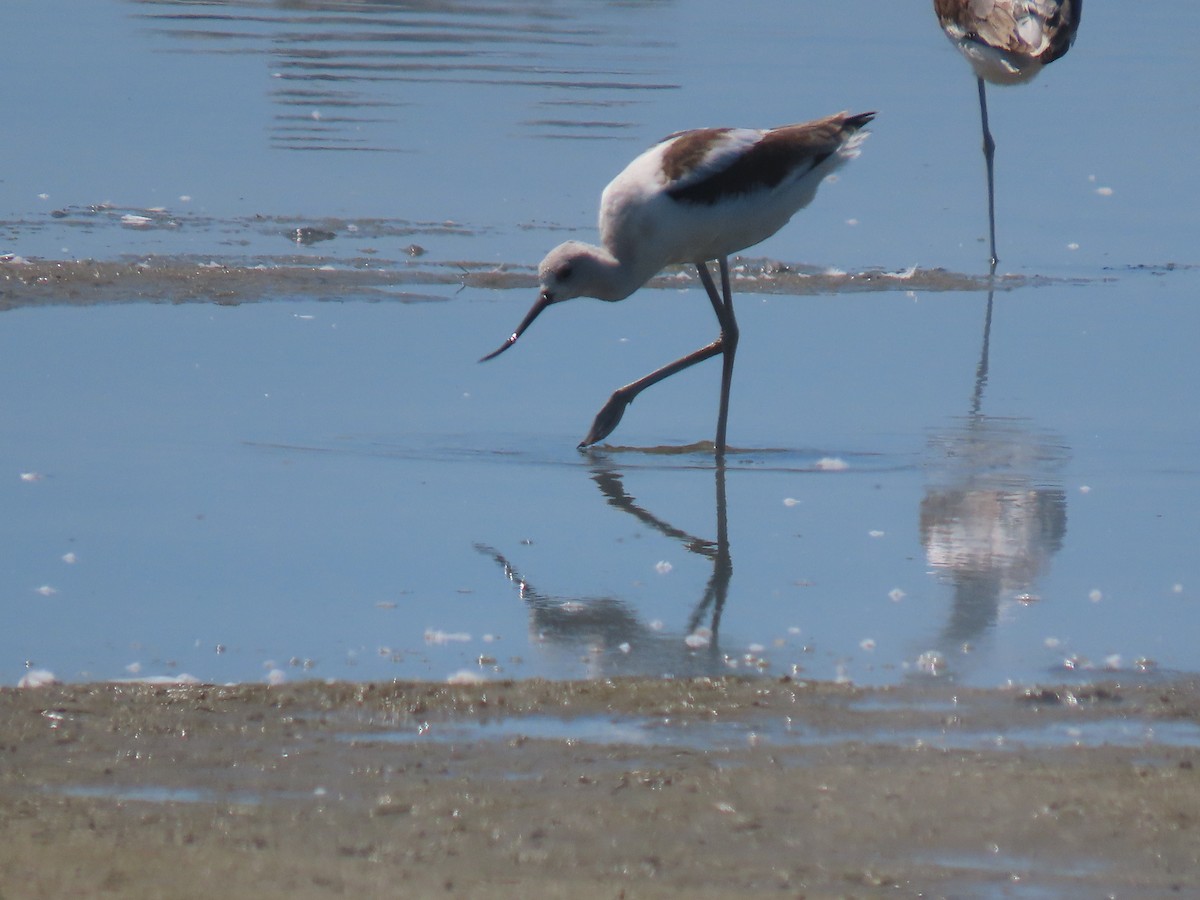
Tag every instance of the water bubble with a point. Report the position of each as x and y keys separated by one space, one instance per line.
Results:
x=831 y=464
x=36 y=678
x=701 y=637
x=931 y=662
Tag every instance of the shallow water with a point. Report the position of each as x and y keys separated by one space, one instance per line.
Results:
x=627 y=730
x=926 y=483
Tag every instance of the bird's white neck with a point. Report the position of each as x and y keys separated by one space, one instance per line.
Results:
x=605 y=276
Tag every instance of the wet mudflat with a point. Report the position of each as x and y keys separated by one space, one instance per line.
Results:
x=803 y=788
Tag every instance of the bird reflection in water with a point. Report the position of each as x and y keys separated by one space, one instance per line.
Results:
x=607 y=632
x=994 y=514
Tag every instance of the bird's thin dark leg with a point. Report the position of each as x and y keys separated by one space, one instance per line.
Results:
x=729 y=342
x=989 y=154
x=610 y=415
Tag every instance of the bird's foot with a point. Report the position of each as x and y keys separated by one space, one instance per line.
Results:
x=607 y=419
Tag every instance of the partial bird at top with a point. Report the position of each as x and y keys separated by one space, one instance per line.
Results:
x=1007 y=42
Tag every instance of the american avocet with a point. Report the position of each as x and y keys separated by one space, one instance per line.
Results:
x=1007 y=42
x=693 y=197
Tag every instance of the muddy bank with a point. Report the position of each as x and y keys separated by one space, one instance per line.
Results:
x=775 y=787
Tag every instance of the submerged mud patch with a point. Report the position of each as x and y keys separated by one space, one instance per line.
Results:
x=184 y=279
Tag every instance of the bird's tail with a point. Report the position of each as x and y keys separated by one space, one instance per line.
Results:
x=852 y=128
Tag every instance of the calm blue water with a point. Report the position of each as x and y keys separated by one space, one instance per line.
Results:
x=339 y=490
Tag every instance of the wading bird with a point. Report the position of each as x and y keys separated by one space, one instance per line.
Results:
x=693 y=197
x=1007 y=42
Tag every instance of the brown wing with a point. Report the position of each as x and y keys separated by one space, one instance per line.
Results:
x=780 y=153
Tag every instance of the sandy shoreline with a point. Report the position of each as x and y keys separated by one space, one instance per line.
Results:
x=312 y=790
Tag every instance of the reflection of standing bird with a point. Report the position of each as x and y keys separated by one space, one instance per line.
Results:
x=989 y=537
x=693 y=197
x=1007 y=42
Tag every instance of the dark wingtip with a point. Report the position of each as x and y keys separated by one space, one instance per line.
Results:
x=860 y=120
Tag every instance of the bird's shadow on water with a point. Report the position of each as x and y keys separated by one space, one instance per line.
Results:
x=613 y=638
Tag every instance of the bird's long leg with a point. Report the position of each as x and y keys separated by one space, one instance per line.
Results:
x=729 y=342
x=989 y=154
x=610 y=414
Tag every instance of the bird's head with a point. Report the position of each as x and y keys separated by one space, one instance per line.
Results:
x=569 y=270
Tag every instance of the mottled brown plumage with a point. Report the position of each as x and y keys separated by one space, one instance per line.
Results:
x=1029 y=31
